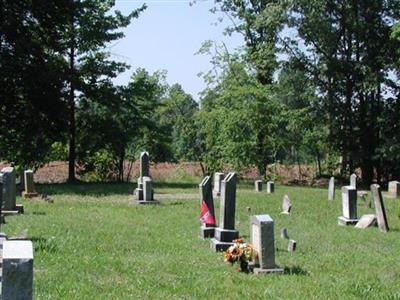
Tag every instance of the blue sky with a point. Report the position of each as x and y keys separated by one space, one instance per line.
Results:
x=166 y=37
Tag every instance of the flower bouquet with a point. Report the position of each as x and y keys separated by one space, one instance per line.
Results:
x=241 y=253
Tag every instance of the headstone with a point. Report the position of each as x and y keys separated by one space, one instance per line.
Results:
x=270 y=187
x=17 y=275
x=258 y=185
x=353 y=180
x=366 y=221
x=226 y=233
x=144 y=192
x=9 y=189
x=292 y=244
x=218 y=177
x=394 y=189
x=349 y=206
x=207 y=228
x=29 y=190
x=262 y=239
x=379 y=208
x=286 y=205
x=22 y=179
x=144 y=164
x=331 y=189
x=284 y=234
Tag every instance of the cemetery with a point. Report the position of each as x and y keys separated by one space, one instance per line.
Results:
x=93 y=241
x=199 y=149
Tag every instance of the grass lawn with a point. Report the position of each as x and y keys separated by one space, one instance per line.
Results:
x=92 y=243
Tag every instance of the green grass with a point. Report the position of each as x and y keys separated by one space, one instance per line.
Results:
x=91 y=243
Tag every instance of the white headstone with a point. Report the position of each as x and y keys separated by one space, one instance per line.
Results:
x=353 y=180
x=258 y=185
x=286 y=205
x=17 y=270
x=394 y=189
x=366 y=221
x=331 y=189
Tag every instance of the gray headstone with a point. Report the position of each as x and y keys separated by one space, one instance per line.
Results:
x=349 y=206
x=144 y=164
x=263 y=241
x=366 y=221
x=218 y=177
x=226 y=233
x=379 y=208
x=286 y=205
x=17 y=275
x=394 y=189
x=353 y=180
x=9 y=188
x=29 y=182
x=228 y=202
x=331 y=189
x=147 y=189
x=270 y=187
x=207 y=230
x=284 y=234
x=22 y=179
x=292 y=246
x=258 y=185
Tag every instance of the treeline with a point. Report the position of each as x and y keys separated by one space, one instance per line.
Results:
x=315 y=82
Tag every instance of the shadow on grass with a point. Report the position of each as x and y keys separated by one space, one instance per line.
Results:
x=101 y=188
x=295 y=270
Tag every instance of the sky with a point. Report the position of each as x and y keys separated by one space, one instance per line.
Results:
x=166 y=36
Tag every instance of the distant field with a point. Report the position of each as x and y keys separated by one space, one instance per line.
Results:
x=92 y=243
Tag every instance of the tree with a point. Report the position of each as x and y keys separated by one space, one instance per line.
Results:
x=91 y=27
x=32 y=104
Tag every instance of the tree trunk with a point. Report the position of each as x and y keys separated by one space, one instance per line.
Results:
x=121 y=165
x=71 y=104
x=318 y=156
x=72 y=124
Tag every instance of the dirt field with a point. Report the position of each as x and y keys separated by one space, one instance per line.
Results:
x=58 y=172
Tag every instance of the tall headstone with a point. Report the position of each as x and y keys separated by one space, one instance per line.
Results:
x=218 y=177
x=207 y=227
x=263 y=241
x=144 y=164
x=29 y=190
x=270 y=187
x=226 y=233
x=258 y=185
x=394 y=189
x=17 y=275
x=353 y=180
x=9 y=188
x=331 y=189
x=379 y=208
x=349 y=206
x=144 y=192
x=286 y=205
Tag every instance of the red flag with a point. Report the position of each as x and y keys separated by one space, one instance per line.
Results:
x=205 y=216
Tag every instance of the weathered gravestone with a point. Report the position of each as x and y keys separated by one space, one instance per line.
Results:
x=286 y=205
x=144 y=192
x=17 y=275
x=226 y=233
x=207 y=216
x=8 y=192
x=263 y=241
x=29 y=189
x=284 y=234
x=270 y=187
x=349 y=206
x=258 y=185
x=366 y=221
x=353 y=181
x=22 y=179
x=292 y=244
x=331 y=189
x=379 y=208
x=394 y=189
x=218 y=177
